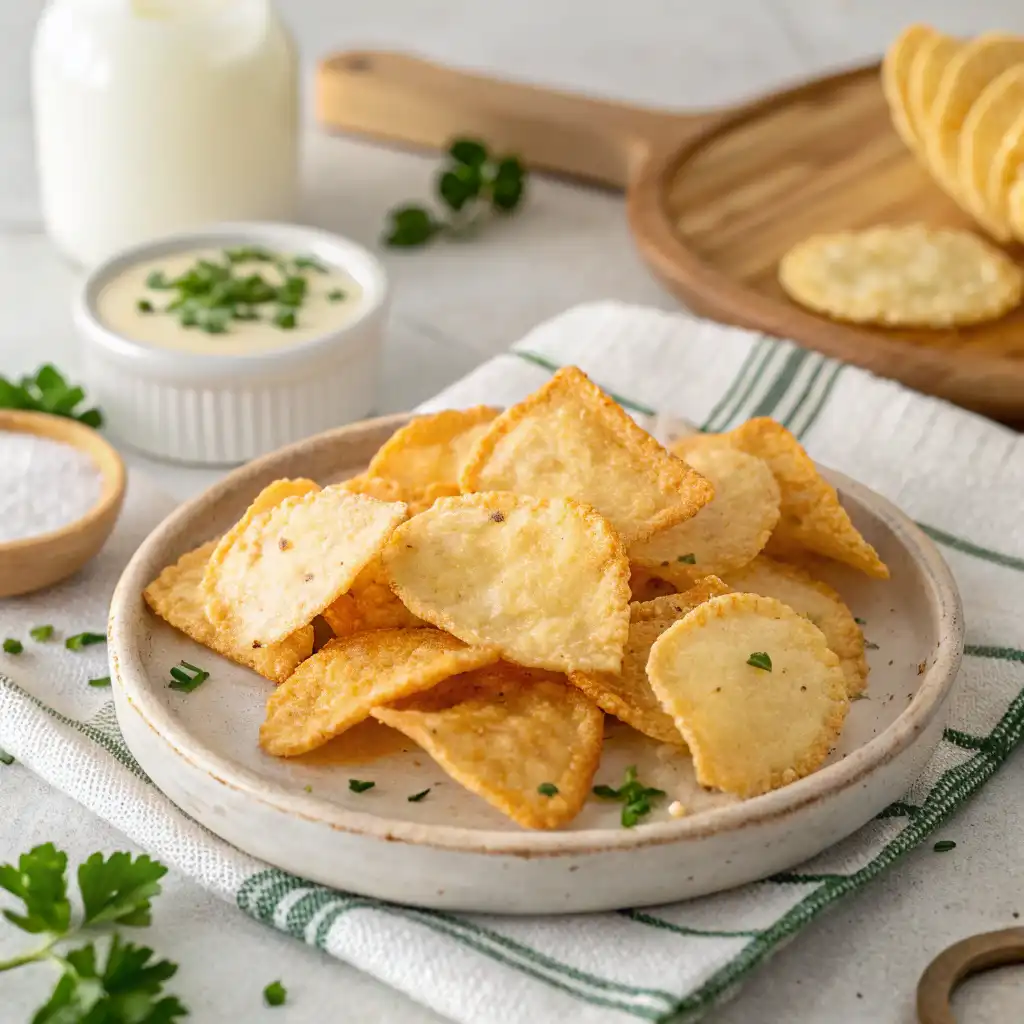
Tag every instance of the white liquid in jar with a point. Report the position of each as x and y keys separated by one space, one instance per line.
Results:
x=155 y=116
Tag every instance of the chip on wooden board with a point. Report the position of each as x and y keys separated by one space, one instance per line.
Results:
x=926 y=70
x=815 y=601
x=754 y=690
x=524 y=741
x=292 y=561
x=727 y=532
x=369 y=603
x=432 y=449
x=896 y=69
x=340 y=685
x=1006 y=169
x=545 y=581
x=570 y=440
x=906 y=276
x=176 y=596
x=812 y=517
x=627 y=694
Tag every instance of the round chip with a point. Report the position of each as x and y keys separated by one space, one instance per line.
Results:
x=926 y=70
x=911 y=276
x=896 y=68
x=727 y=532
x=754 y=690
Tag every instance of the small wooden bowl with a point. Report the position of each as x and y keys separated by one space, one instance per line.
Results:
x=38 y=561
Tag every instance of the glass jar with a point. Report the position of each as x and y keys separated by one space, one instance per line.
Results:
x=153 y=116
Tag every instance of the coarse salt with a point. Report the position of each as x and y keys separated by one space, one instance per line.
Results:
x=44 y=485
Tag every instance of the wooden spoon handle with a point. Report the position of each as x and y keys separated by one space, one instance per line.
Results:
x=405 y=99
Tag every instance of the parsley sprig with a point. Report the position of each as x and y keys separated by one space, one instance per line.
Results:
x=48 y=391
x=472 y=183
x=634 y=795
x=125 y=984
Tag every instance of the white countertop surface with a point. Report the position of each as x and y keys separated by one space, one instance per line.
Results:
x=454 y=307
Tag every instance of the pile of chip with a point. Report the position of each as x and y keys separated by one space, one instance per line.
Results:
x=498 y=582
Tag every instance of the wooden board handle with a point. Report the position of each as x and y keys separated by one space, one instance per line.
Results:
x=405 y=99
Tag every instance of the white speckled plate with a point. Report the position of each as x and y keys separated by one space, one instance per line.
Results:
x=451 y=850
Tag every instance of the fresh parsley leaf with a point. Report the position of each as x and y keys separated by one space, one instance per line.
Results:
x=309 y=263
x=41 y=633
x=40 y=882
x=458 y=186
x=634 y=795
x=359 y=786
x=12 y=646
x=509 y=185
x=547 y=789
x=285 y=318
x=417 y=797
x=275 y=994
x=469 y=152
x=687 y=559
x=47 y=391
x=944 y=846
x=761 y=660
x=80 y=640
x=118 y=888
x=159 y=281
x=144 y=306
x=65 y=1005
x=410 y=226
x=606 y=792
x=101 y=681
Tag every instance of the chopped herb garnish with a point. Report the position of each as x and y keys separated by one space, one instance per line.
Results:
x=285 y=319
x=417 y=797
x=547 y=789
x=80 y=640
x=41 y=633
x=309 y=263
x=688 y=559
x=359 y=786
x=308 y=788
x=761 y=660
x=6 y=758
x=249 y=254
x=47 y=391
x=182 y=681
x=869 y=646
x=102 y=681
x=635 y=797
x=144 y=306
x=860 y=622
x=158 y=281
x=275 y=994
x=944 y=846
x=12 y=646
x=337 y=295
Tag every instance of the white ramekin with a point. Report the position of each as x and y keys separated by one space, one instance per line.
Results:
x=226 y=409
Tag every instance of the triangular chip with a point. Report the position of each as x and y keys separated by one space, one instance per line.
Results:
x=753 y=688
x=369 y=603
x=627 y=694
x=812 y=517
x=526 y=742
x=546 y=582
x=813 y=600
x=728 y=531
x=432 y=449
x=292 y=561
x=175 y=595
x=339 y=686
x=570 y=440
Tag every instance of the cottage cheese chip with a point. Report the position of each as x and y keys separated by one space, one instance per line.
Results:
x=545 y=581
x=340 y=685
x=570 y=440
x=416 y=498
x=749 y=728
x=292 y=561
x=176 y=596
x=524 y=740
x=369 y=603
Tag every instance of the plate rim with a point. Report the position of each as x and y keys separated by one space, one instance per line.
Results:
x=935 y=686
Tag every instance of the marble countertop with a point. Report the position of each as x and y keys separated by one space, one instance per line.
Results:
x=456 y=306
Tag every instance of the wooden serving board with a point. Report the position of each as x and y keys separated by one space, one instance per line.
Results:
x=714 y=199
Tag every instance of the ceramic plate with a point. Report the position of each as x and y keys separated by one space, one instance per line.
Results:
x=451 y=850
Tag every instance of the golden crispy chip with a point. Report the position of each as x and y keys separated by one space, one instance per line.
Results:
x=432 y=449
x=986 y=126
x=812 y=517
x=627 y=694
x=813 y=600
x=175 y=596
x=340 y=685
x=896 y=68
x=570 y=440
x=644 y=586
x=926 y=71
x=418 y=499
x=369 y=603
x=1007 y=166
x=749 y=730
x=547 y=582
x=524 y=741
x=292 y=561
x=907 y=276
x=727 y=532
x=1016 y=207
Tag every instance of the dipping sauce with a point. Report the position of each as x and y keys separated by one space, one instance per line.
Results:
x=234 y=301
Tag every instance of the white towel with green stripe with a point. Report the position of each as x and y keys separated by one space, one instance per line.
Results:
x=958 y=475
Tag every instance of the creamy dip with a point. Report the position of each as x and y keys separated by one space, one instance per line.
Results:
x=132 y=307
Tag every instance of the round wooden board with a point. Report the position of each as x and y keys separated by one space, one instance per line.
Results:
x=716 y=198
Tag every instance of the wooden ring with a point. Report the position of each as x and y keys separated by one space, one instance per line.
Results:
x=959 y=961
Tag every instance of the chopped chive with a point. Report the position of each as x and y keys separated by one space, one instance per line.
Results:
x=144 y=306
x=359 y=786
x=337 y=295
x=417 y=797
x=190 y=666
x=547 y=789
x=869 y=646
x=80 y=640
x=761 y=660
x=859 y=621
x=6 y=758
x=688 y=559
x=309 y=263
x=12 y=646
x=944 y=846
x=41 y=633
x=102 y=681
x=185 y=683
x=275 y=994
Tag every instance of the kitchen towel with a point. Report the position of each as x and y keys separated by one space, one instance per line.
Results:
x=958 y=475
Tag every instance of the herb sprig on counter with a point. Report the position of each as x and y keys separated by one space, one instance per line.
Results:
x=48 y=391
x=471 y=184
x=212 y=293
